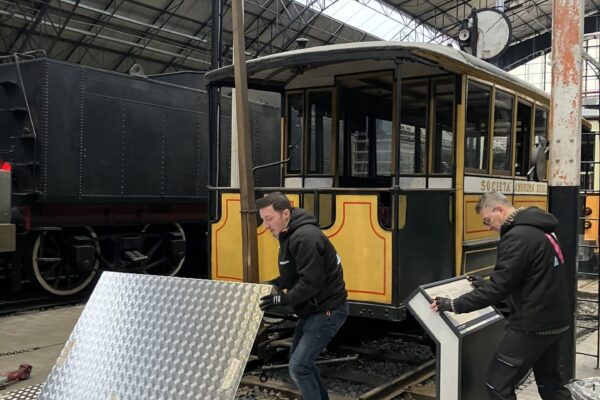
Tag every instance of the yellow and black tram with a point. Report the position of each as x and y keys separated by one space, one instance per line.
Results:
x=390 y=145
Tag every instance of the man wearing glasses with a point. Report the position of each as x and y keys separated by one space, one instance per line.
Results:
x=531 y=276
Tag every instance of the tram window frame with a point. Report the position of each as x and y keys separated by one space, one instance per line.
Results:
x=486 y=146
x=535 y=143
x=348 y=108
x=436 y=157
x=542 y=110
x=508 y=152
x=423 y=131
x=524 y=136
x=322 y=155
x=291 y=166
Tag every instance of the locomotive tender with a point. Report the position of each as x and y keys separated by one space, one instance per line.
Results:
x=109 y=172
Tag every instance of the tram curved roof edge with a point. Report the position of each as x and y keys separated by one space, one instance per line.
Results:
x=377 y=50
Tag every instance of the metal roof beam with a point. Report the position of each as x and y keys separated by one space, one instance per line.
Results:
x=96 y=47
x=96 y=20
x=267 y=26
x=136 y=50
x=306 y=25
x=29 y=28
x=285 y=28
x=519 y=53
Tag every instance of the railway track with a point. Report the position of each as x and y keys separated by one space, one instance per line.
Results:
x=33 y=302
x=380 y=369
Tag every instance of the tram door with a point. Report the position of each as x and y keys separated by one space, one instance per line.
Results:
x=419 y=216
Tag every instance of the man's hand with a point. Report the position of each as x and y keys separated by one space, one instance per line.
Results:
x=272 y=300
x=476 y=281
x=441 y=304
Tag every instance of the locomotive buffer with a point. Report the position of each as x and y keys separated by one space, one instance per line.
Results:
x=465 y=342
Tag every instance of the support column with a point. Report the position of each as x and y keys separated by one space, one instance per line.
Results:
x=249 y=236
x=565 y=133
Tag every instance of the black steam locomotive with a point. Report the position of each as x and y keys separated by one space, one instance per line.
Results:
x=108 y=172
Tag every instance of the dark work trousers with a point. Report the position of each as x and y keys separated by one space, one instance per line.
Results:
x=310 y=338
x=518 y=352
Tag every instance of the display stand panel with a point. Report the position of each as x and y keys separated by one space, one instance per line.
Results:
x=465 y=342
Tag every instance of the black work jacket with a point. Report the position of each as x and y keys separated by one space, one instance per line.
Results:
x=309 y=267
x=530 y=272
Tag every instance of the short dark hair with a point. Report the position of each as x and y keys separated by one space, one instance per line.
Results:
x=278 y=200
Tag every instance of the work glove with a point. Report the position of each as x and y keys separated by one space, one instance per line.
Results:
x=476 y=281
x=272 y=300
x=444 y=304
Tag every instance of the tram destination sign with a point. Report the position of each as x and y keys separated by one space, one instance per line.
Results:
x=478 y=184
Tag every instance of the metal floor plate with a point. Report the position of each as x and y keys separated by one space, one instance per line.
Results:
x=28 y=393
x=152 y=337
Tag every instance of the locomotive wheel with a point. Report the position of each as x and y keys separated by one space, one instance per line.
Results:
x=51 y=265
x=156 y=248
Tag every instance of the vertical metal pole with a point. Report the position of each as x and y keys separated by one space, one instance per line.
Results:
x=565 y=133
x=249 y=237
x=214 y=108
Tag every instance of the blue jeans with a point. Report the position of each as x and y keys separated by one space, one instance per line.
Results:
x=310 y=338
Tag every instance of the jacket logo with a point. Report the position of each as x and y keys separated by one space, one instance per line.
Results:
x=284 y=262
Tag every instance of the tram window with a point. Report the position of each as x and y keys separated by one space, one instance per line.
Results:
x=383 y=139
x=523 y=138
x=541 y=127
x=413 y=129
x=295 y=112
x=443 y=135
x=359 y=144
x=502 y=140
x=365 y=129
x=319 y=104
x=477 y=127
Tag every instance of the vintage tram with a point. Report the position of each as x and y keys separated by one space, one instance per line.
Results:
x=390 y=145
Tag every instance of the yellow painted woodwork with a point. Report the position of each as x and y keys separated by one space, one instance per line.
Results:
x=364 y=247
x=226 y=243
x=473 y=224
x=591 y=202
x=530 y=201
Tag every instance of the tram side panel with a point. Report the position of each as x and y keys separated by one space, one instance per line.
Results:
x=425 y=240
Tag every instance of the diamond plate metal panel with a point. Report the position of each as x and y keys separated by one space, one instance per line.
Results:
x=152 y=337
x=28 y=393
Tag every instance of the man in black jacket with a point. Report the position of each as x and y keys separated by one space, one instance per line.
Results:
x=310 y=272
x=530 y=274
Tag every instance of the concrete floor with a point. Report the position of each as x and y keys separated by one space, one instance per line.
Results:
x=46 y=329
x=50 y=329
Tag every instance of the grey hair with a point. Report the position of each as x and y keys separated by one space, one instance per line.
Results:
x=491 y=200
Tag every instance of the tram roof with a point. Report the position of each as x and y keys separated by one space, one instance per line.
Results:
x=275 y=71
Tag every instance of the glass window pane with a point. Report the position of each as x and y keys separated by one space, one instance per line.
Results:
x=476 y=127
x=443 y=135
x=413 y=129
x=523 y=138
x=365 y=129
x=359 y=145
x=319 y=157
x=295 y=112
x=383 y=137
x=541 y=127
x=502 y=143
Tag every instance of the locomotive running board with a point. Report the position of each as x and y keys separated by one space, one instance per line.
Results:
x=154 y=337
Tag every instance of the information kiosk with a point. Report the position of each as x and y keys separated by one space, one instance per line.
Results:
x=465 y=342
